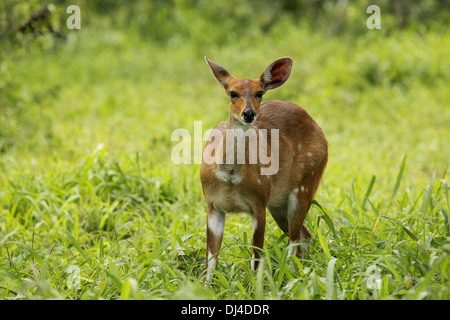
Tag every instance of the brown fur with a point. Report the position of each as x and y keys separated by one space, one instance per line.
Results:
x=303 y=156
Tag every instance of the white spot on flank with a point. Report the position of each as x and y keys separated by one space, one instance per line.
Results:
x=259 y=181
x=295 y=190
x=312 y=173
x=299 y=146
x=303 y=189
x=309 y=154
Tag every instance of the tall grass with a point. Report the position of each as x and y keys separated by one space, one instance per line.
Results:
x=105 y=230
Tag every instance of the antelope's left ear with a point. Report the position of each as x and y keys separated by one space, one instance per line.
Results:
x=276 y=73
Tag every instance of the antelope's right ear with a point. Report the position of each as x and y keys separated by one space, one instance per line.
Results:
x=222 y=76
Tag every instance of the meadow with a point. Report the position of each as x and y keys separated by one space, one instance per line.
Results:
x=92 y=207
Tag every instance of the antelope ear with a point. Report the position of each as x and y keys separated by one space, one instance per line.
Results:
x=222 y=76
x=276 y=73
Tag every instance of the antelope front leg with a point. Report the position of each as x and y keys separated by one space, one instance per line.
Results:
x=259 y=227
x=215 y=222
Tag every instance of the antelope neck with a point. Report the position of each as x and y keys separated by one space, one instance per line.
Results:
x=233 y=123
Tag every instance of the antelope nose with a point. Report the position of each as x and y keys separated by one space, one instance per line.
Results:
x=248 y=115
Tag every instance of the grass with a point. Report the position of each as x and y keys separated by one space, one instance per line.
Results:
x=91 y=206
x=129 y=237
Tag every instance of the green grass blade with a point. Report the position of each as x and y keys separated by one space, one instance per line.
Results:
x=129 y=289
x=408 y=232
x=259 y=290
x=114 y=275
x=392 y=269
x=326 y=218
x=75 y=243
x=329 y=280
x=33 y=252
x=369 y=190
x=324 y=244
x=419 y=292
x=156 y=252
x=399 y=179
x=445 y=215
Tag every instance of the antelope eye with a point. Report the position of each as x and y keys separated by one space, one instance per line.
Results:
x=233 y=95
x=259 y=94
